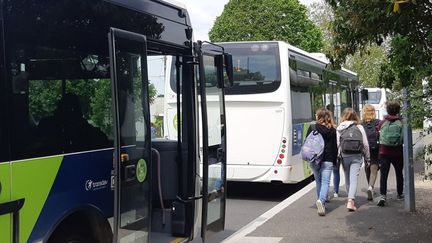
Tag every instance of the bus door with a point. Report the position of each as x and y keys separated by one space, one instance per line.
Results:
x=211 y=83
x=129 y=82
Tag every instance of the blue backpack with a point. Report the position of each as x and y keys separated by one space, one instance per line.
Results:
x=313 y=147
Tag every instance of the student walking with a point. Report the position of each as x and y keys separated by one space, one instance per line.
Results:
x=322 y=137
x=370 y=125
x=390 y=150
x=352 y=145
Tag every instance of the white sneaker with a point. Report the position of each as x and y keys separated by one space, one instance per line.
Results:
x=320 y=207
x=370 y=193
x=335 y=195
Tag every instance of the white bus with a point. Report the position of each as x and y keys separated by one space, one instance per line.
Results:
x=277 y=89
x=378 y=97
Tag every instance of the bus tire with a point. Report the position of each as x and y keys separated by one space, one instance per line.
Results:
x=71 y=235
x=72 y=232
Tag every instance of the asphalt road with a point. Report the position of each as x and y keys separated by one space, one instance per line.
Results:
x=247 y=201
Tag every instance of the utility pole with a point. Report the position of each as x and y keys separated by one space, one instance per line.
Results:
x=408 y=154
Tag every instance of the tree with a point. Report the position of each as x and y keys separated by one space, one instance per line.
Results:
x=251 y=20
x=95 y=97
x=321 y=14
x=408 y=24
x=367 y=65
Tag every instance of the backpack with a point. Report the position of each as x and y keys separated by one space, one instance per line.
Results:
x=371 y=134
x=313 y=147
x=351 y=140
x=391 y=133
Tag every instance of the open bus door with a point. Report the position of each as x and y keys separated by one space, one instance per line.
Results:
x=129 y=84
x=211 y=82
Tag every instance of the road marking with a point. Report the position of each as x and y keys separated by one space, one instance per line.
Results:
x=251 y=239
x=240 y=235
x=249 y=228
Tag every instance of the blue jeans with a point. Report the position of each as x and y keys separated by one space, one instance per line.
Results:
x=336 y=177
x=351 y=165
x=322 y=173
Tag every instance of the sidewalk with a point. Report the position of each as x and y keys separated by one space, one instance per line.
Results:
x=299 y=221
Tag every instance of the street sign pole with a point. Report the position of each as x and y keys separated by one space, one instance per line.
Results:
x=408 y=154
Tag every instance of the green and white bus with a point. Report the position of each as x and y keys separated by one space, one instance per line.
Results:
x=77 y=162
x=276 y=91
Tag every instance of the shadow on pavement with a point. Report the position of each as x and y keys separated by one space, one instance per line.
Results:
x=264 y=191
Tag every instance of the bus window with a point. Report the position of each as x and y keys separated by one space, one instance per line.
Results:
x=344 y=98
x=318 y=98
x=301 y=106
x=173 y=72
x=337 y=103
x=66 y=107
x=374 y=97
x=166 y=76
x=256 y=68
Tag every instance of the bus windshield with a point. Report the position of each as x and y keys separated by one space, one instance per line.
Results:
x=256 y=68
x=374 y=97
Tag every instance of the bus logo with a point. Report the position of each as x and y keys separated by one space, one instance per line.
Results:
x=91 y=185
x=88 y=185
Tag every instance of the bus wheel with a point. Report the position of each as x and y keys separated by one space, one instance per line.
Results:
x=71 y=235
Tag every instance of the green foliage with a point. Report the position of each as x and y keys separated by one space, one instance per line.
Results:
x=101 y=107
x=387 y=77
x=359 y=23
x=407 y=26
x=43 y=98
x=152 y=93
x=251 y=20
x=158 y=124
x=366 y=64
x=321 y=14
x=95 y=97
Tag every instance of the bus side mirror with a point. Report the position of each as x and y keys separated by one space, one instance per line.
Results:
x=364 y=94
x=219 y=63
x=229 y=69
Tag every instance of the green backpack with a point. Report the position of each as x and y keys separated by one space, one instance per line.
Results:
x=391 y=133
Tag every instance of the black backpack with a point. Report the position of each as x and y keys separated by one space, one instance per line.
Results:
x=351 y=140
x=371 y=134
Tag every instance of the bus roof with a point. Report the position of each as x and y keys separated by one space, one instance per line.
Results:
x=175 y=3
x=168 y=9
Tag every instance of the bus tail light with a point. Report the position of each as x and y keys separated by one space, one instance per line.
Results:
x=282 y=151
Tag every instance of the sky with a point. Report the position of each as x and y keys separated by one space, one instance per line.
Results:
x=203 y=13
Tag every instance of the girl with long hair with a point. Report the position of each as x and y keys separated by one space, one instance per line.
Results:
x=325 y=125
x=352 y=146
x=370 y=124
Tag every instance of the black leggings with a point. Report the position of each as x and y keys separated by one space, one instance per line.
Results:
x=385 y=169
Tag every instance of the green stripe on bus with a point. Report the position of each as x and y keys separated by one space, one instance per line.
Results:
x=5 y=226
x=32 y=180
